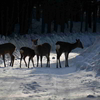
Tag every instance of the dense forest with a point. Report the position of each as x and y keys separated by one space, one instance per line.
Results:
x=58 y=12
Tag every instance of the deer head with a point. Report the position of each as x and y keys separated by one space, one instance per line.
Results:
x=79 y=43
x=34 y=43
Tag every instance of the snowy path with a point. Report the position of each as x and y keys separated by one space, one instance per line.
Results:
x=47 y=83
x=76 y=82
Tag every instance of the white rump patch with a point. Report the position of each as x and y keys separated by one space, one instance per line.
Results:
x=21 y=51
x=57 y=47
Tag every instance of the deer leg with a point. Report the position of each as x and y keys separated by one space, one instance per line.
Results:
x=25 y=61
x=41 y=60
x=37 y=60
x=29 y=61
x=58 y=59
x=4 y=60
x=20 y=60
x=32 y=62
x=48 y=62
x=59 y=63
x=12 y=60
x=49 y=59
x=66 y=59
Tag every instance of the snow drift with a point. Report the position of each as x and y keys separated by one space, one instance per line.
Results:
x=78 y=82
x=90 y=58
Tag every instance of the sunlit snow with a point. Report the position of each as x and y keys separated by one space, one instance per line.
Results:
x=76 y=82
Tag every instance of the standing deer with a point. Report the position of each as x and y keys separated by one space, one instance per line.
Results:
x=65 y=47
x=42 y=50
x=7 y=48
x=26 y=51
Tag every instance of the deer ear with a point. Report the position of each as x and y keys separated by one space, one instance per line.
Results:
x=31 y=39
x=78 y=39
x=37 y=39
x=34 y=40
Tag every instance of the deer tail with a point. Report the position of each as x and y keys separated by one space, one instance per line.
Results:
x=21 y=51
x=57 y=47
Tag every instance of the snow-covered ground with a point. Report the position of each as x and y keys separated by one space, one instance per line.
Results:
x=80 y=81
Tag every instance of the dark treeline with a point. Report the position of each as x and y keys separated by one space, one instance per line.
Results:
x=60 y=12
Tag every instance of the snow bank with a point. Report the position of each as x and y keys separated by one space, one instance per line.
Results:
x=25 y=40
x=52 y=83
x=89 y=59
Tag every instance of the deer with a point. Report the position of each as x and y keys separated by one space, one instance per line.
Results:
x=26 y=51
x=7 y=48
x=66 y=48
x=42 y=50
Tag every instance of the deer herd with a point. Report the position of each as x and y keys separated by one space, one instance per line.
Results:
x=40 y=51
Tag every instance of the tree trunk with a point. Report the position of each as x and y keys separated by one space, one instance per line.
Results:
x=43 y=25
x=94 y=15
x=55 y=26
x=82 y=14
x=49 y=27
x=71 y=23
x=86 y=21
